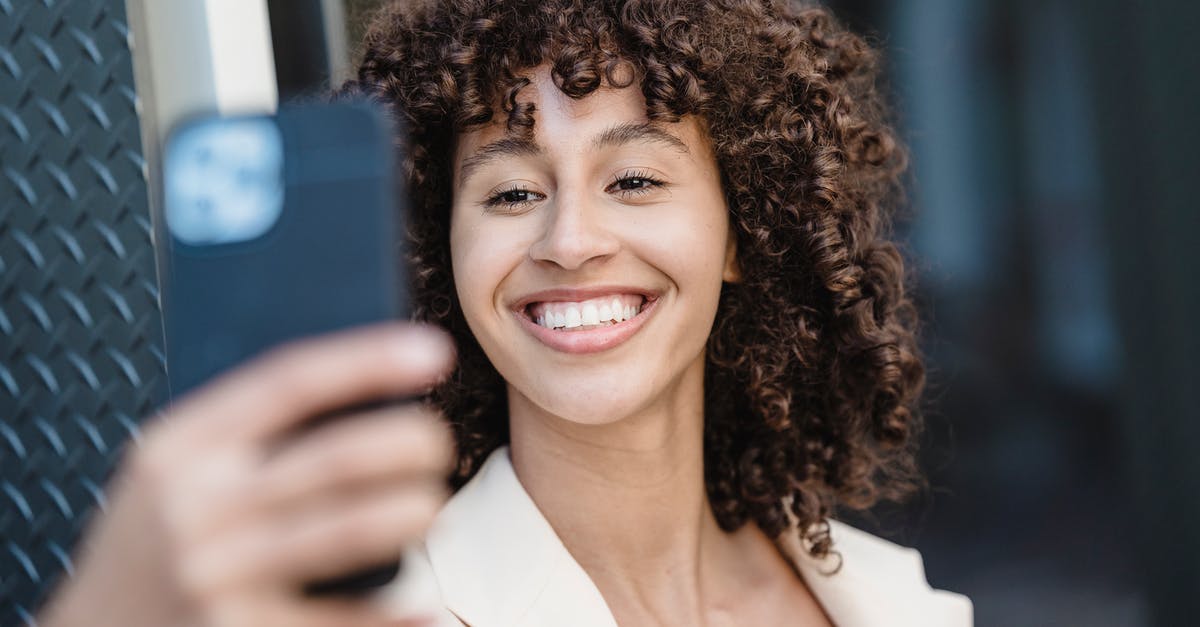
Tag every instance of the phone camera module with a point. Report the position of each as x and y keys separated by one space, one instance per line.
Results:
x=224 y=181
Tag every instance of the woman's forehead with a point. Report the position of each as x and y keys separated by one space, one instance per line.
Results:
x=606 y=117
x=555 y=111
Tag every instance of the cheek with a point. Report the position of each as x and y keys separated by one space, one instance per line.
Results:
x=690 y=242
x=465 y=259
x=481 y=258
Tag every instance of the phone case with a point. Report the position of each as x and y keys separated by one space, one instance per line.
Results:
x=280 y=227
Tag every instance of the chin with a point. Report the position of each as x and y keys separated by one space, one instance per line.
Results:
x=595 y=403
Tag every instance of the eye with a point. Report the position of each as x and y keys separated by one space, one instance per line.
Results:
x=513 y=196
x=633 y=183
x=510 y=198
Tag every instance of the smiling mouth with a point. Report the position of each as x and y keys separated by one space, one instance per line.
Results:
x=593 y=313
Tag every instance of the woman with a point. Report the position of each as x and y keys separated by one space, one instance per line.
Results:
x=656 y=232
x=722 y=172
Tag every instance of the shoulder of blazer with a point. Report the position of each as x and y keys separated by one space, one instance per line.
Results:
x=867 y=581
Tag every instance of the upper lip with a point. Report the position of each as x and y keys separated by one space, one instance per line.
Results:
x=576 y=294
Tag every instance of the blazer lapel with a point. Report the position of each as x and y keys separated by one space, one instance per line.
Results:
x=499 y=563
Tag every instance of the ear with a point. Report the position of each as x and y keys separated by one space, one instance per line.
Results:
x=732 y=273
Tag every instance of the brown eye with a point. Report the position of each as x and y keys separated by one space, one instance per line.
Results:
x=515 y=196
x=512 y=198
x=634 y=183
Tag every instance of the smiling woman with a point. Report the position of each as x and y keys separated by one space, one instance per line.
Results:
x=656 y=231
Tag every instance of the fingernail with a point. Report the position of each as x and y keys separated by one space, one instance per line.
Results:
x=423 y=348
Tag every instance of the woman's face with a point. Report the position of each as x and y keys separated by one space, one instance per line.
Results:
x=589 y=260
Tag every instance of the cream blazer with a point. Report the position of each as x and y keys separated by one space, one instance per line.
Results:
x=492 y=560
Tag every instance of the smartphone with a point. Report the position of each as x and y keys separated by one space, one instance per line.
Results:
x=279 y=227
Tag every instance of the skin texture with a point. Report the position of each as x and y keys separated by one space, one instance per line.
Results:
x=610 y=444
x=220 y=513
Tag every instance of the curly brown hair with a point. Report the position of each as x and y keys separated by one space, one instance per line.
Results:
x=812 y=373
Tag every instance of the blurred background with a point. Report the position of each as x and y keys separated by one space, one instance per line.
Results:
x=1054 y=230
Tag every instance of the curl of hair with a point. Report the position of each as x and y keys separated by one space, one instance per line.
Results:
x=812 y=373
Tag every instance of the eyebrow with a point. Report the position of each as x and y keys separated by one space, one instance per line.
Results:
x=617 y=135
x=630 y=132
x=504 y=147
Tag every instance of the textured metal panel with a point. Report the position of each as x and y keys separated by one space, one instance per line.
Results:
x=80 y=330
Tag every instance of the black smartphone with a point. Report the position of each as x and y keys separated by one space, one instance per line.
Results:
x=279 y=227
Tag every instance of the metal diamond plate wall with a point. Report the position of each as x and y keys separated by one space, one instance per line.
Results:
x=80 y=331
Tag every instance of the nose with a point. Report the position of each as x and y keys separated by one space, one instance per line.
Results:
x=574 y=234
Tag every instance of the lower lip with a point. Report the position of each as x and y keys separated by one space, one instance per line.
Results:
x=592 y=340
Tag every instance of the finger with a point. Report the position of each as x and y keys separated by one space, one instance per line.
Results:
x=289 y=385
x=338 y=537
x=407 y=444
x=391 y=444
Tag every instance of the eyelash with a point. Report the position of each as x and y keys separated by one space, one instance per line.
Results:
x=497 y=199
x=636 y=175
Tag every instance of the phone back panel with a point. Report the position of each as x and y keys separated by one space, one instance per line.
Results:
x=331 y=259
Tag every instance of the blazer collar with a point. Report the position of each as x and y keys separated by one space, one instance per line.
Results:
x=499 y=563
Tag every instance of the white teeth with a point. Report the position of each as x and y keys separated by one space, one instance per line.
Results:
x=573 y=318
x=589 y=314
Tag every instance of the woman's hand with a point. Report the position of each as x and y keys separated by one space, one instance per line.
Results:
x=220 y=516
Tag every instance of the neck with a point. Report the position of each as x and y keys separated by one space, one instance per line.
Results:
x=627 y=498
